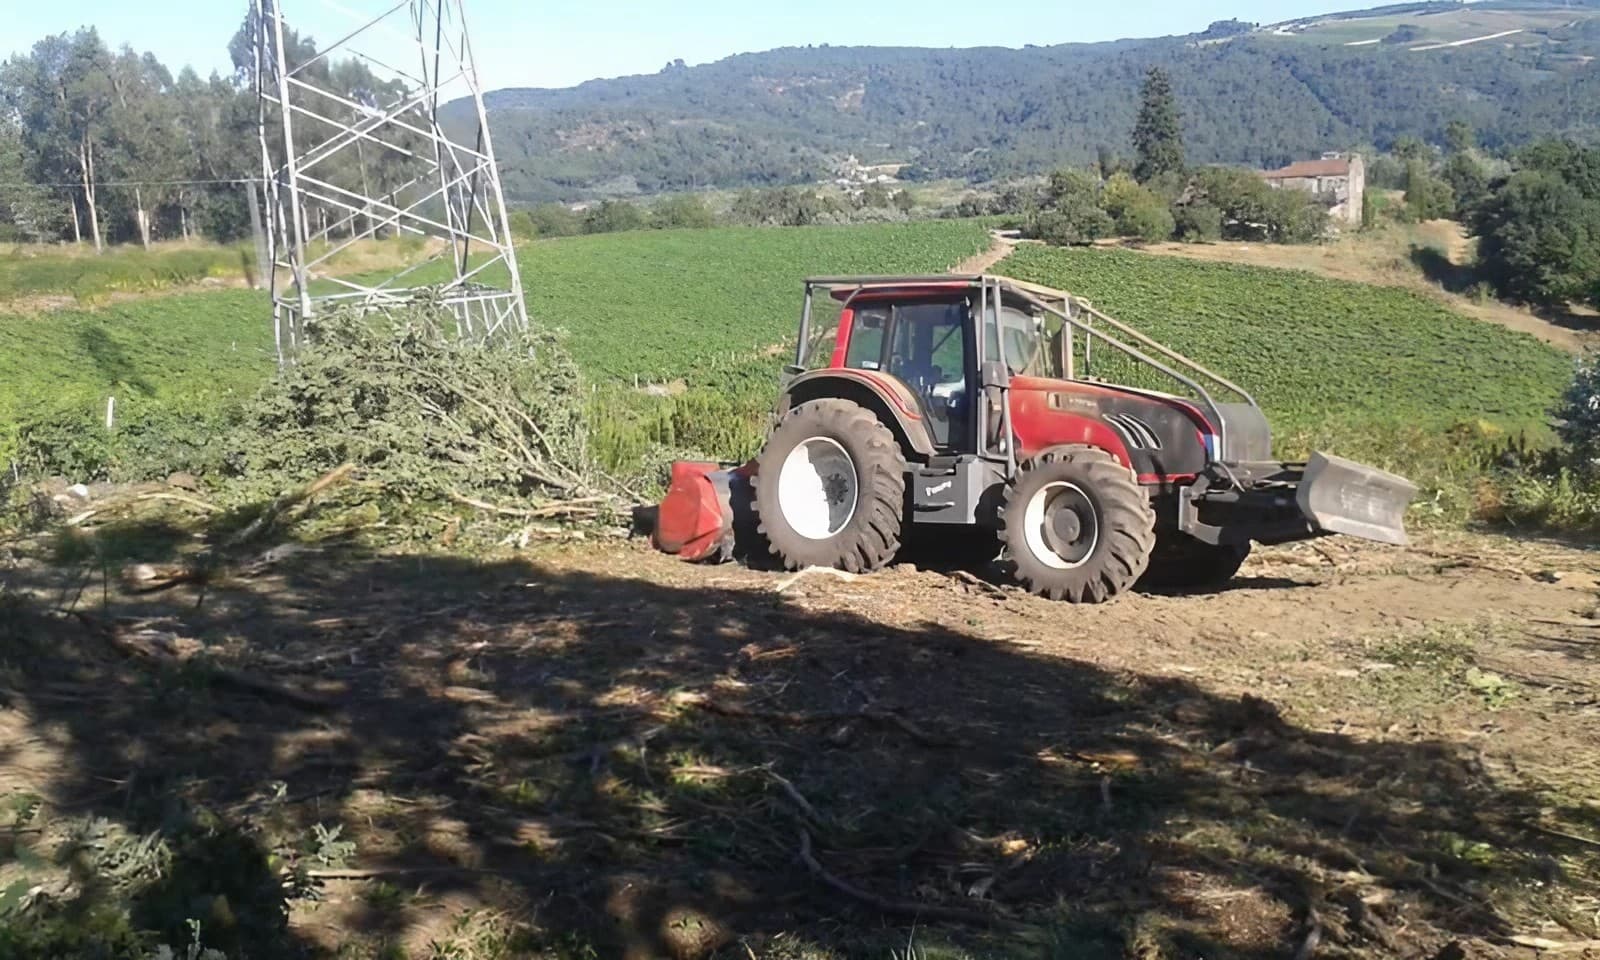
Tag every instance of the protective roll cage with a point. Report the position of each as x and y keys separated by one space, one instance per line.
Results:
x=1076 y=314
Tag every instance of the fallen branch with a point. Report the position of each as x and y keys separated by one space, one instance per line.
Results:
x=179 y=498
x=790 y=581
x=1554 y=946
x=972 y=579
x=378 y=873
x=796 y=719
x=293 y=504
x=155 y=577
x=930 y=911
x=1569 y=641
x=171 y=650
x=1576 y=838
x=586 y=506
x=795 y=795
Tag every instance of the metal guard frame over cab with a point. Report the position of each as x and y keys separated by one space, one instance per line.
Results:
x=1204 y=459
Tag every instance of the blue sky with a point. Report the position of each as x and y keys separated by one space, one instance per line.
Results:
x=560 y=42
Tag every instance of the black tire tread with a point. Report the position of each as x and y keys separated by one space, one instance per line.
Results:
x=1127 y=524
x=872 y=539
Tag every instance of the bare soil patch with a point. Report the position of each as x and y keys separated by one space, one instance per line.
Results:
x=1350 y=751
x=981 y=263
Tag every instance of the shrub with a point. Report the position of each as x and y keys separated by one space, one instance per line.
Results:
x=1579 y=412
x=1148 y=220
x=875 y=195
x=1074 y=211
x=1079 y=224
x=684 y=211
x=1540 y=240
x=1427 y=196
x=163 y=439
x=613 y=216
x=1198 y=222
x=523 y=226
x=1292 y=218
x=1139 y=211
x=1565 y=500
x=555 y=220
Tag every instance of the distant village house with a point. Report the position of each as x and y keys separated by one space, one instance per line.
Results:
x=1338 y=179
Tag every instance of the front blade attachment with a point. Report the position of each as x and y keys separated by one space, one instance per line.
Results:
x=1345 y=497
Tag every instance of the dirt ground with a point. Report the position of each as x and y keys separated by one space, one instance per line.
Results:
x=593 y=750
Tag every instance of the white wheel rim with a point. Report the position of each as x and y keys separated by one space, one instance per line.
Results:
x=817 y=489
x=1038 y=514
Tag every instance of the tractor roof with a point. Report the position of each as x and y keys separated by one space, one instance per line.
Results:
x=929 y=283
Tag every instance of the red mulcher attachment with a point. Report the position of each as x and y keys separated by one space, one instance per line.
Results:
x=695 y=521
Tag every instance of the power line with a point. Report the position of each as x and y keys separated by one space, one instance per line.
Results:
x=138 y=183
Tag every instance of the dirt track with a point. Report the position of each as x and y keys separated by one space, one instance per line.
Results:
x=1384 y=751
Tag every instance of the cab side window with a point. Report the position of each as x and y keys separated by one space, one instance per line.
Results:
x=866 y=339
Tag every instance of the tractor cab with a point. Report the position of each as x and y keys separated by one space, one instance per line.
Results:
x=928 y=338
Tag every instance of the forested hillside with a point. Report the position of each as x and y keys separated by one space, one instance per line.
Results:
x=106 y=146
x=1250 y=96
x=99 y=143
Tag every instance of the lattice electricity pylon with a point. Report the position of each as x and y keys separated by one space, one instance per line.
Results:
x=352 y=147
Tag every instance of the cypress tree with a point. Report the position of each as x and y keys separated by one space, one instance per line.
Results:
x=1157 y=139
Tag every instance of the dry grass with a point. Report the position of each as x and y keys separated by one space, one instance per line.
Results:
x=35 y=278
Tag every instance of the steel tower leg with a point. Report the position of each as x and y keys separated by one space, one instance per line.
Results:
x=354 y=142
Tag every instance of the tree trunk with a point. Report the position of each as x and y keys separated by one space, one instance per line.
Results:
x=143 y=216
x=77 y=230
x=86 y=164
x=258 y=235
x=183 y=221
x=366 y=194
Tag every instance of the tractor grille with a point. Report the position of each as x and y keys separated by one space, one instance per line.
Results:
x=1135 y=432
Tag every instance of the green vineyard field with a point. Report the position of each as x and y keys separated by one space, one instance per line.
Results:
x=1317 y=352
x=196 y=349
x=664 y=304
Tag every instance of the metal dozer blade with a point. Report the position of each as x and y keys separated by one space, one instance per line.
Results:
x=1344 y=497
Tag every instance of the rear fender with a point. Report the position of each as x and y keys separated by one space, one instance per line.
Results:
x=892 y=401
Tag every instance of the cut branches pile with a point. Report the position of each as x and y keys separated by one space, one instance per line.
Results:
x=426 y=415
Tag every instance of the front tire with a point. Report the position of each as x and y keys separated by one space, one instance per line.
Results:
x=1078 y=526
x=830 y=488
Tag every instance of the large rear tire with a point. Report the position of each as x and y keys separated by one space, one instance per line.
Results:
x=830 y=488
x=1077 y=525
x=1180 y=562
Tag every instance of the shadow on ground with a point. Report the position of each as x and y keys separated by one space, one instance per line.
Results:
x=593 y=762
x=112 y=359
x=1464 y=279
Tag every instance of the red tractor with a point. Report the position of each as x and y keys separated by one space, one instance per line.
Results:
x=971 y=403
